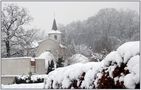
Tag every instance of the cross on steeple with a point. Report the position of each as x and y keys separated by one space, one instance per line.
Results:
x=54 y=26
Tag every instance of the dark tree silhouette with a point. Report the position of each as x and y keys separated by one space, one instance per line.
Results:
x=50 y=67
x=60 y=62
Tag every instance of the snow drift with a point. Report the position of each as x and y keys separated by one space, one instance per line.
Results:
x=119 y=69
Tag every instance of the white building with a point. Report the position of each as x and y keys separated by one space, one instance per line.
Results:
x=52 y=43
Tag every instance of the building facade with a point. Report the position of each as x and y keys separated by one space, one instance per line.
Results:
x=52 y=43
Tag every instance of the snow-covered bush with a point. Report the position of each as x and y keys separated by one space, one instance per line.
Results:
x=119 y=69
x=29 y=79
x=96 y=57
x=70 y=76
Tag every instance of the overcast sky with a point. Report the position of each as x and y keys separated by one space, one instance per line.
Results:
x=66 y=12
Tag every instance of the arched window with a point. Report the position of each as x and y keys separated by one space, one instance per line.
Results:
x=55 y=37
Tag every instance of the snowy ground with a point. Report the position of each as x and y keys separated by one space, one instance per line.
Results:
x=31 y=85
x=35 y=85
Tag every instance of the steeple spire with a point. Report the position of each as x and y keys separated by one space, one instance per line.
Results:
x=54 y=26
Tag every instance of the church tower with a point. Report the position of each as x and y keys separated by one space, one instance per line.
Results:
x=55 y=34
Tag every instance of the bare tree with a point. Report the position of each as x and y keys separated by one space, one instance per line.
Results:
x=104 y=31
x=13 y=33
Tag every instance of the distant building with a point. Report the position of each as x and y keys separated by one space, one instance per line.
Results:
x=52 y=43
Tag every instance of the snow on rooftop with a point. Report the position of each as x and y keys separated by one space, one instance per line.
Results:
x=54 y=32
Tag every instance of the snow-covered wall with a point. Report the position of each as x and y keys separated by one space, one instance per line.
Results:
x=16 y=66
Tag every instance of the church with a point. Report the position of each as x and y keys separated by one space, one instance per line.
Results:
x=12 y=67
x=52 y=44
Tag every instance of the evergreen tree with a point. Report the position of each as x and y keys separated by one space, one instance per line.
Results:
x=50 y=67
x=60 y=62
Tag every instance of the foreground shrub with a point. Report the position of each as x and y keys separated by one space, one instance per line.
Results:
x=28 y=79
x=118 y=70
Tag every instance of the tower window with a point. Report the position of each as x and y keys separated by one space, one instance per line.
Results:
x=55 y=37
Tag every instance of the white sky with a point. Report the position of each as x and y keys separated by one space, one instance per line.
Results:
x=67 y=12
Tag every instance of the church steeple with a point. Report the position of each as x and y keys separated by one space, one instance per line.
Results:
x=54 y=26
x=54 y=34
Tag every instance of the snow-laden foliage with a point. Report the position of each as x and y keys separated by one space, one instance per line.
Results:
x=96 y=57
x=29 y=79
x=70 y=76
x=119 y=69
x=128 y=50
x=16 y=39
x=76 y=58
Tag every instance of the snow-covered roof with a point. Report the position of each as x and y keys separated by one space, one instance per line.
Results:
x=54 y=32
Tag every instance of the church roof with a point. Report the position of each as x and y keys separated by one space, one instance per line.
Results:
x=54 y=26
x=54 y=32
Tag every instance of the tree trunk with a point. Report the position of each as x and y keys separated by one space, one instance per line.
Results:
x=7 y=44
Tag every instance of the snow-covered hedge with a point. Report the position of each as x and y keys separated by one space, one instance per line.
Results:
x=29 y=79
x=119 y=69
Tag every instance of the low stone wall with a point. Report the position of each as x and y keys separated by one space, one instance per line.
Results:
x=7 y=79
x=40 y=66
x=16 y=66
x=12 y=67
